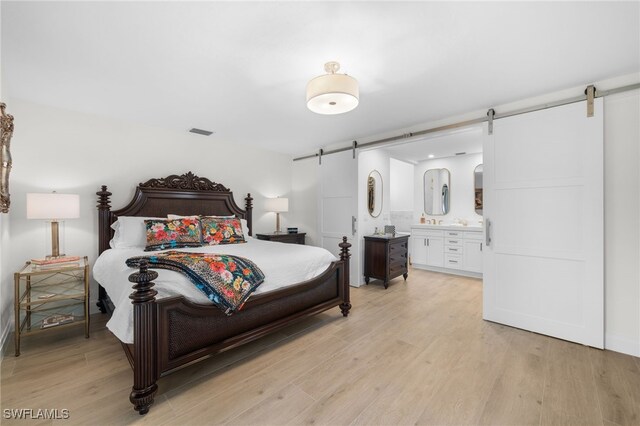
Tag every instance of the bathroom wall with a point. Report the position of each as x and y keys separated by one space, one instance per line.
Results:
x=461 y=188
x=401 y=184
x=377 y=159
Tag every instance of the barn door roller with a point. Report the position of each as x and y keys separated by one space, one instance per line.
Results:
x=490 y=114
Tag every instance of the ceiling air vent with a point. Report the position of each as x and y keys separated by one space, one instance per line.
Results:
x=460 y=153
x=201 y=132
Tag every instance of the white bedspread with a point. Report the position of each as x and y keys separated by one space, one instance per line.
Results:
x=282 y=264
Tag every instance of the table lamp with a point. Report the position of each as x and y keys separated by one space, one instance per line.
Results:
x=53 y=206
x=277 y=205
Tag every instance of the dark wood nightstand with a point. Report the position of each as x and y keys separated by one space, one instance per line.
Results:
x=283 y=238
x=385 y=257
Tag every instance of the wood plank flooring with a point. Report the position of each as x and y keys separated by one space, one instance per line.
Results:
x=417 y=353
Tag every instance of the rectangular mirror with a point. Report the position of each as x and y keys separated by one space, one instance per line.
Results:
x=437 y=188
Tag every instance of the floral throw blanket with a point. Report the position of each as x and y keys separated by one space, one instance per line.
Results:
x=226 y=280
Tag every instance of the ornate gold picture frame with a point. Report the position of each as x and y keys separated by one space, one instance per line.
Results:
x=6 y=131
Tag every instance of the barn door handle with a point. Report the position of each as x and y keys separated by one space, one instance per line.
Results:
x=353 y=225
x=487 y=233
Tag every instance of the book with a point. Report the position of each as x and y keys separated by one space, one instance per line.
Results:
x=57 y=319
x=56 y=265
x=54 y=260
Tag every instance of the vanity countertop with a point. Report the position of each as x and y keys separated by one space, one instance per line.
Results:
x=448 y=227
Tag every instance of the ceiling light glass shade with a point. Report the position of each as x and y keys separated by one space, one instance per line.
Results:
x=332 y=93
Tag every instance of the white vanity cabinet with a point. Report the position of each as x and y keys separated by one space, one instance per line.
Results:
x=427 y=247
x=473 y=254
x=450 y=249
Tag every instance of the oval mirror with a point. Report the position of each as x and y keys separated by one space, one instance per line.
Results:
x=477 y=189
x=374 y=193
x=437 y=192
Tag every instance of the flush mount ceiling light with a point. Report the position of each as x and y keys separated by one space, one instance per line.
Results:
x=332 y=93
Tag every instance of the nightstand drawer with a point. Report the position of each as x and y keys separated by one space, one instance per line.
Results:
x=396 y=270
x=398 y=249
x=397 y=261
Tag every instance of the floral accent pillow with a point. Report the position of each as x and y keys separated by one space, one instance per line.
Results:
x=168 y=234
x=219 y=230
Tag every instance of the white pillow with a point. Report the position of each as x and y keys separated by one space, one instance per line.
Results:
x=130 y=232
x=245 y=225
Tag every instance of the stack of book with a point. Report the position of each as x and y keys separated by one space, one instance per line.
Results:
x=57 y=319
x=56 y=262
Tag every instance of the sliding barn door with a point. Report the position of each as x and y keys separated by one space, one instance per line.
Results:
x=543 y=210
x=338 y=206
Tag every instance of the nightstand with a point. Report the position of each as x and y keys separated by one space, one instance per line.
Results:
x=284 y=238
x=50 y=297
x=385 y=257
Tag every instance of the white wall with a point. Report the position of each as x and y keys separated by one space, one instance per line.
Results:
x=55 y=149
x=461 y=189
x=401 y=185
x=622 y=222
x=6 y=282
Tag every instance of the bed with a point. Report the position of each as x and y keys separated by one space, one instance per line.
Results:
x=171 y=332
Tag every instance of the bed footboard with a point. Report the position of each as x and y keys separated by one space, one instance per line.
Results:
x=174 y=332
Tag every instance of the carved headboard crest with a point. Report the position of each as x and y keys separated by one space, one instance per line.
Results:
x=187 y=181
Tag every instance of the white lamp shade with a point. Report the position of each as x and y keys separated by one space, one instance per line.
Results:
x=53 y=206
x=277 y=205
x=332 y=94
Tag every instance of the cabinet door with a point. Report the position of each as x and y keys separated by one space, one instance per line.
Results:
x=473 y=256
x=435 y=251
x=419 y=250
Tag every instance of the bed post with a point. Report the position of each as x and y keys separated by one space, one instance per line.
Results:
x=248 y=206
x=104 y=210
x=144 y=345
x=345 y=306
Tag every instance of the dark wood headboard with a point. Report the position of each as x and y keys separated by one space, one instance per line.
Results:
x=186 y=194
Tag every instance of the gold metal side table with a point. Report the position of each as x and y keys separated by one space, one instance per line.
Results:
x=44 y=294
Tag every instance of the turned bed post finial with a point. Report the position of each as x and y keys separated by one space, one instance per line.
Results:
x=248 y=206
x=345 y=306
x=144 y=352
x=103 y=198
x=104 y=235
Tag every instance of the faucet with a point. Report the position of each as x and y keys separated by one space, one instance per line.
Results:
x=439 y=222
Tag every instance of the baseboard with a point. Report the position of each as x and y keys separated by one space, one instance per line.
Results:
x=621 y=344
x=4 y=339
x=447 y=271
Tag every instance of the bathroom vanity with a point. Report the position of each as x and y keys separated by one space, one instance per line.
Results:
x=450 y=249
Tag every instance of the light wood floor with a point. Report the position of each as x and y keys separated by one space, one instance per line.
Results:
x=417 y=353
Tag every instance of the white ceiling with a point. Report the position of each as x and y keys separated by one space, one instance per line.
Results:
x=241 y=68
